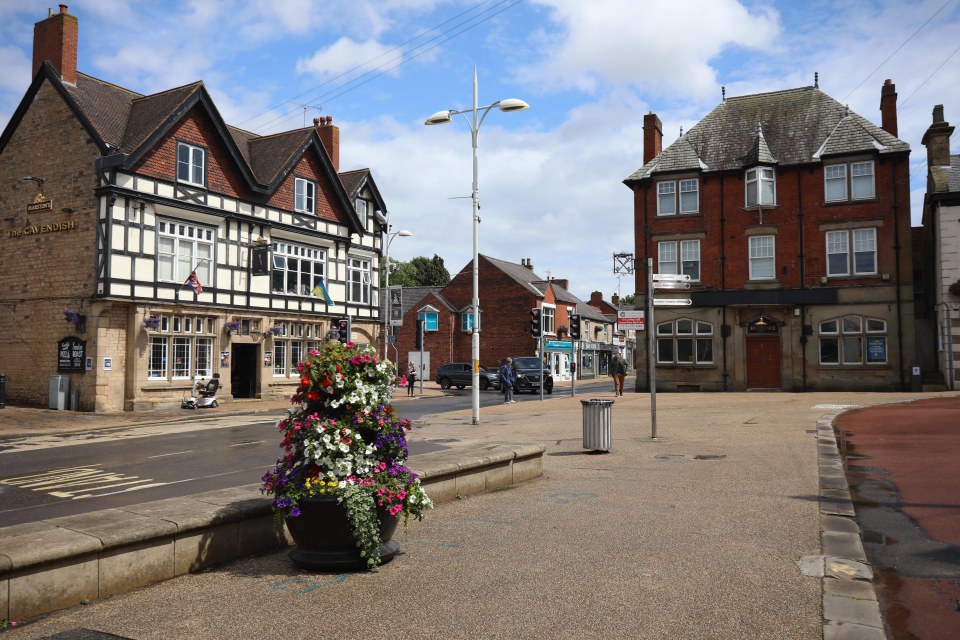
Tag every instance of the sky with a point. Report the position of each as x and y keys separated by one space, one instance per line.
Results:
x=550 y=177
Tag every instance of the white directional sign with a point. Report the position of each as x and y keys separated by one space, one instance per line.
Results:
x=672 y=302
x=670 y=284
x=671 y=277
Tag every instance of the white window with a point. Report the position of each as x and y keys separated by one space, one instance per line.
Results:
x=304 y=195
x=684 y=341
x=297 y=270
x=864 y=258
x=762 y=265
x=853 y=340
x=860 y=185
x=689 y=201
x=466 y=321
x=191 y=164
x=666 y=198
x=761 y=187
x=182 y=248
x=548 y=316
x=358 y=280
x=689 y=258
x=361 y=206
x=182 y=356
x=279 y=358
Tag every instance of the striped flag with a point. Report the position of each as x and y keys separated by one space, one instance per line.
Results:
x=194 y=283
x=320 y=291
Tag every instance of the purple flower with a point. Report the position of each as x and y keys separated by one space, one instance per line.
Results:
x=295 y=512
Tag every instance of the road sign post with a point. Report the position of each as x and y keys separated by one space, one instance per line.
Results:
x=652 y=349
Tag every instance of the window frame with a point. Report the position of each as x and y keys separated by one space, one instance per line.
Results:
x=358 y=280
x=682 y=263
x=172 y=340
x=852 y=181
x=183 y=256
x=304 y=196
x=753 y=259
x=695 y=340
x=361 y=207
x=757 y=182
x=193 y=152
x=850 y=252
x=841 y=337
x=286 y=253
x=673 y=191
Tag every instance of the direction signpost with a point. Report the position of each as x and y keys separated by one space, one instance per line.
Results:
x=662 y=281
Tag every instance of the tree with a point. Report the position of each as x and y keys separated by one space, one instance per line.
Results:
x=419 y=272
x=630 y=299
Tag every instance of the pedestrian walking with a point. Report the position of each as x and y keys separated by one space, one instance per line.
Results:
x=411 y=378
x=618 y=369
x=506 y=380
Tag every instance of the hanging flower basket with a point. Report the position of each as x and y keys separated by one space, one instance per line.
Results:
x=232 y=326
x=275 y=330
x=344 y=454
x=954 y=289
x=72 y=316
x=152 y=323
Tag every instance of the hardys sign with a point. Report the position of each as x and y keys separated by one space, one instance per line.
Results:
x=71 y=353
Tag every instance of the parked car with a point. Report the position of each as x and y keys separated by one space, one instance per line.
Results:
x=528 y=370
x=459 y=375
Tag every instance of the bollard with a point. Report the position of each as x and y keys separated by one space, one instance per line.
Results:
x=3 y=390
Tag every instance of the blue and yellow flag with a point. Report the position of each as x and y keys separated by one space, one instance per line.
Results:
x=320 y=291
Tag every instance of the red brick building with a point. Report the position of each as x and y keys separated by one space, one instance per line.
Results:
x=508 y=291
x=791 y=215
x=125 y=196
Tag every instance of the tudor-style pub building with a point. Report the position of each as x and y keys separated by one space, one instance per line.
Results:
x=110 y=200
x=791 y=216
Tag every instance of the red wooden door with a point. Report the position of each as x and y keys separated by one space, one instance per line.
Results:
x=763 y=362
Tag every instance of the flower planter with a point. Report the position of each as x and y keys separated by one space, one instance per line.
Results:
x=324 y=538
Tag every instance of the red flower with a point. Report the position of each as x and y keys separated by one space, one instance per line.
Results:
x=313 y=395
x=305 y=381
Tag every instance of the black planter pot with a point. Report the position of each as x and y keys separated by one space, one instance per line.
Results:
x=324 y=537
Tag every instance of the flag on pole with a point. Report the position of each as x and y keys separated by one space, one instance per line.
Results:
x=194 y=282
x=320 y=291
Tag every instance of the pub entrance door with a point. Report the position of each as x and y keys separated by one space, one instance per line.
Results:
x=763 y=354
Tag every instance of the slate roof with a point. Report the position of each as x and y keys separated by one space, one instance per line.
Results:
x=413 y=298
x=790 y=127
x=518 y=272
x=125 y=125
x=946 y=179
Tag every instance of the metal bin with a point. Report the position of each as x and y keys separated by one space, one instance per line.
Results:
x=597 y=421
x=59 y=388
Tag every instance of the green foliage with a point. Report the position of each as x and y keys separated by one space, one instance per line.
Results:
x=362 y=513
x=630 y=299
x=419 y=272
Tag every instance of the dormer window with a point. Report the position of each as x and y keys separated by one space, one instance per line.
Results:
x=191 y=164
x=304 y=195
x=761 y=187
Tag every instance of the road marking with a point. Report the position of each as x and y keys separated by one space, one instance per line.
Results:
x=166 y=455
x=247 y=444
x=78 y=482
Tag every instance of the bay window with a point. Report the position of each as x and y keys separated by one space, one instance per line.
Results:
x=761 y=187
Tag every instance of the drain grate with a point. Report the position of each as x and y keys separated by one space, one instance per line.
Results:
x=706 y=456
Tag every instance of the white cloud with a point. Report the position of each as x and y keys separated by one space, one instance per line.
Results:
x=652 y=45
x=346 y=55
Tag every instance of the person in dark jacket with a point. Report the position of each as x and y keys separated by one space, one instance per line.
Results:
x=618 y=369
x=506 y=380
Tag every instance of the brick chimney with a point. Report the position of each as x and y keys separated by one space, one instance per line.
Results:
x=330 y=137
x=526 y=262
x=563 y=283
x=55 y=39
x=652 y=137
x=937 y=140
x=596 y=298
x=888 y=107
x=615 y=300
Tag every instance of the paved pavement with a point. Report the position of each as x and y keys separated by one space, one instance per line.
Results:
x=708 y=531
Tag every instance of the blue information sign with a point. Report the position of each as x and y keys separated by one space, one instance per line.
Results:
x=558 y=345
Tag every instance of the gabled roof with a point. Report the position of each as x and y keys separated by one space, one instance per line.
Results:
x=521 y=274
x=356 y=181
x=414 y=296
x=798 y=126
x=126 y=125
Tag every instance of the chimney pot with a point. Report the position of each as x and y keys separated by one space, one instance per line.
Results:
x=652 y=137
x=316 y=122
x=330 y=137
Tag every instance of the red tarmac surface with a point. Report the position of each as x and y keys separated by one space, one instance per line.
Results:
x=913 y=449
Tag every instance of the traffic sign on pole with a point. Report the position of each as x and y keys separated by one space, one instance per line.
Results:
x=672 y=302
x=671 y=284
x=671 y=277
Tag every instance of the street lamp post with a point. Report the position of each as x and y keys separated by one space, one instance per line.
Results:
x=389 y=238
x=442 y=117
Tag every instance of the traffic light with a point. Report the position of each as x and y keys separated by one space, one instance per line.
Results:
x=419 y=340
x=535 y=322
x=343 y=330
x=575 y=327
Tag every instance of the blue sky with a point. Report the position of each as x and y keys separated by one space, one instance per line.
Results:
x=550 y=177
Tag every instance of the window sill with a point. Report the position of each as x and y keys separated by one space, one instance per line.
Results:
x=684 y=365
x=836 y=203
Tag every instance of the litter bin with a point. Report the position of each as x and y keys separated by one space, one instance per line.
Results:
x=59 y=388
x=597 y=420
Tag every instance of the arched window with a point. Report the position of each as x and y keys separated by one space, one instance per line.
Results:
x=684 y=341
x=853 y=341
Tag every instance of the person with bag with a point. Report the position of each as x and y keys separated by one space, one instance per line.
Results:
x=411 y=378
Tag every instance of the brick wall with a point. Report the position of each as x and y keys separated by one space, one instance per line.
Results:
x=41 y=273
